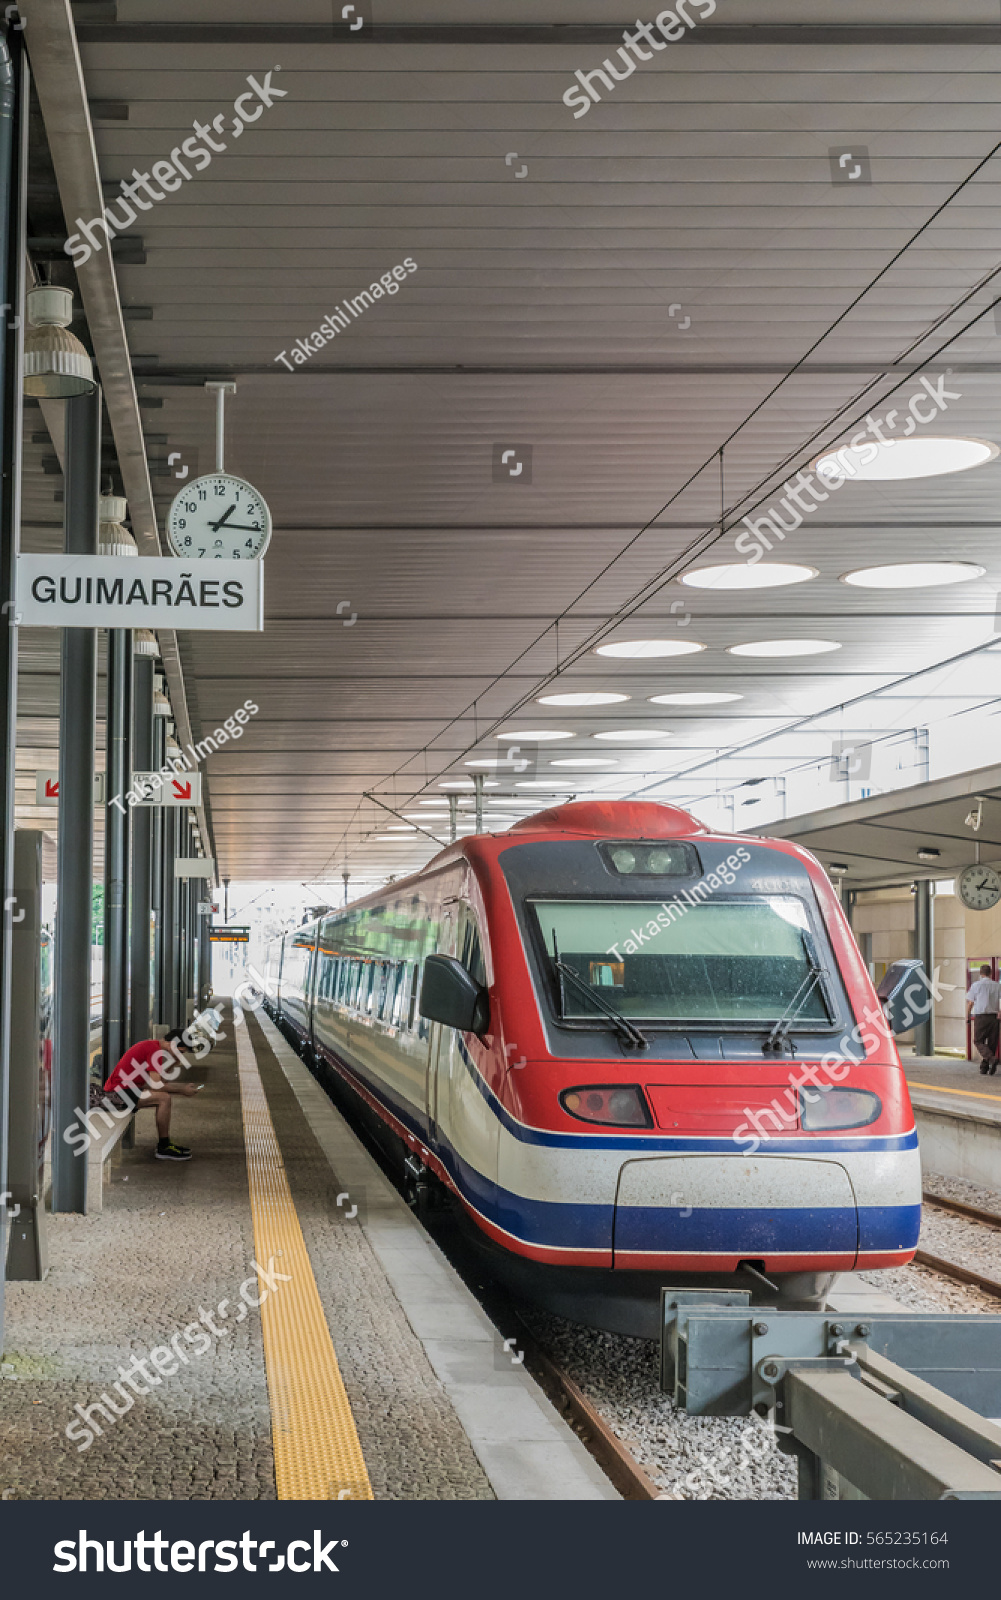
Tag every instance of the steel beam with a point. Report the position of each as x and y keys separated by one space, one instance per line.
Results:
x=75 y=862
x=14 y=87
x=140 y=999
x=881 y=1450
x=117 y=818
x=601 y=36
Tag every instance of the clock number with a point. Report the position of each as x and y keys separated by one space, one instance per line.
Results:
x=203 y=494
x=182 y=522
x=220 y=488
x=201 y=552
x=250 y=544
x=191 y=505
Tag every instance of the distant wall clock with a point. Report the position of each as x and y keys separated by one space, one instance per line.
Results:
x=979 y=887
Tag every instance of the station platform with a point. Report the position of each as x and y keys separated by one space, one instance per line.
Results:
x=368 y=1371
x=958 y=1115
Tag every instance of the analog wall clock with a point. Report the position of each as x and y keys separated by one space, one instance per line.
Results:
x=979 y=887
x=220 y=516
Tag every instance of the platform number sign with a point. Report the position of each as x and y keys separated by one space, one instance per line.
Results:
x=219 y=516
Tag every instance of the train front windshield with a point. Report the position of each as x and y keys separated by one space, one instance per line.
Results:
x=738 y=961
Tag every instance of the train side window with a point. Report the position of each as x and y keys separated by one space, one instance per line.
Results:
x=412 y=1000
x=472 y=951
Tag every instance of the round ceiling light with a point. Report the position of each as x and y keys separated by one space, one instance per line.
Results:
x=581 y=699
x=741 y=575
x=637 y=735
x=914 y=575
x=537 y=735
x=709 y=698
x=467 y=783
x=649 y=649
x=584 y=761
x=774 y=648
x=930 y=456
x=552 y=785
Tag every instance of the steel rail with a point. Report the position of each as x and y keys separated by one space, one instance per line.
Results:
x=992 y=1218
x=952 y=1269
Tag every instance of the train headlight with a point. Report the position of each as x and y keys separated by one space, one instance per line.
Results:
x=837 y=1108
x=618 y=1105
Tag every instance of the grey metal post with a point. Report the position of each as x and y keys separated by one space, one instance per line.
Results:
x=478 y=783
x=75 y=861
x=14 y=86
x=142 y=858
x=180 y=846
x=168 y=817
x=204 y=959
x=453 y=817
x=156 y=853
x=117 y=816
x=924 y=948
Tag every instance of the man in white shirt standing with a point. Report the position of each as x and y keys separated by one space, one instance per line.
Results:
x=983 y=1002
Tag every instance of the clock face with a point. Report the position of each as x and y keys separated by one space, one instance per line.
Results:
x=979 y=888
x=219 y=516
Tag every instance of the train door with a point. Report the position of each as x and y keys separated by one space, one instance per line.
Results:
x=465 y=1125
x=441 y=1040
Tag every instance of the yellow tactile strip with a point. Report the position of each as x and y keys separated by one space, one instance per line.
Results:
x=940 y=1088
x=317 y=1452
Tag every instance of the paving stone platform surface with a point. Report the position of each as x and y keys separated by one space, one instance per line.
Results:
x=174 y=1240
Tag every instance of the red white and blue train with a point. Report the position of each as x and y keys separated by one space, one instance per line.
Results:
x=636 y=1052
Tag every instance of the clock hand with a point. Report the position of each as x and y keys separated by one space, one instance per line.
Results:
x=215 y=526
x=237 y=527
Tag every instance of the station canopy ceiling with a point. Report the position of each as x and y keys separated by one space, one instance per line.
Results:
x=618 y=329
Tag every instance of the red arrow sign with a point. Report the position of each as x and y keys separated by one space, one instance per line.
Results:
x=51 y=789
x=182 y=791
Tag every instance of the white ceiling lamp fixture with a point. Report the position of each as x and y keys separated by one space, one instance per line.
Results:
x=924 y=456
x=467 y=783
x=584 y=761
x=144 y=642
x=56 y=365
x=537 y=735
x=400 y=827
x=634 y=735
x=914 y=575
x=112 y=538
x=554 y=786
x=695 y=698
x=742 y=575
x=649 y=649
x=591 y=699
x=773 y=649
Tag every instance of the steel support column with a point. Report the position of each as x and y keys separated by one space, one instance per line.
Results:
x=166 y=937
x=156 y=868
x=117 y=818
x=14 y=85
x=140 y=998
x=924 y=949
x=75 y=869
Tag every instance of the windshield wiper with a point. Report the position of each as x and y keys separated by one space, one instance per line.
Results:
x=779 y=1032
x=631 y=1037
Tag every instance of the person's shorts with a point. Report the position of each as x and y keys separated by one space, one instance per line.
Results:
x=128 y=1097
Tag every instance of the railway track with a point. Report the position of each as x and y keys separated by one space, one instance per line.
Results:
x=953 y=1269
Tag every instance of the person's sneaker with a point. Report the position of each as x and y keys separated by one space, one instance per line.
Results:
x=167 y=1150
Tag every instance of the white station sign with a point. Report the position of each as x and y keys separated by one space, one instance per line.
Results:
x=148 y=592
x=193 y=867
x=155 y=790
x=47 y=788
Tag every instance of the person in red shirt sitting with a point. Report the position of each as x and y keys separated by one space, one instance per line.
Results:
x=138 y=1080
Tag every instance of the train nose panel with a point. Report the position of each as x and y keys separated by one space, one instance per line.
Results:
x=708 y=1213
